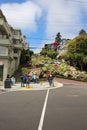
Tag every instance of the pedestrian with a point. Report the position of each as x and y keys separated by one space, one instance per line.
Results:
x=33 y=77
x=24 y=79
x=13 y=80
x=50 y=80
x=22 y=84
x=8 y=77
x=36 y=77
x=28 y=80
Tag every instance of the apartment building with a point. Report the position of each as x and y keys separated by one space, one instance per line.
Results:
x=49 y=46
x=11 y=43
x=55 y=45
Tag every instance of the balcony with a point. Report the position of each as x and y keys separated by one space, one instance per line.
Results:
x=5 y=53
x=5 y=42
x=17 y=37
x=16 y=55
x=19 y=46
x=4 y=26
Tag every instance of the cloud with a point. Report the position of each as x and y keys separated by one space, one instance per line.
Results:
x=23 y=15
x=63 y=16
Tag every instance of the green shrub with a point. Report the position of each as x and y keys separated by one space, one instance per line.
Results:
x=25 y=70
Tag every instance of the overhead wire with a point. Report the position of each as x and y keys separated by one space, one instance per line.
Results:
x=67 y=23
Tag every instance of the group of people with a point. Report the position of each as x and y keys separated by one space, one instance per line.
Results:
x=34 y=77
x=29 y=77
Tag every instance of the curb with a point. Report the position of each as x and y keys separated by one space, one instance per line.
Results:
x=40 y=86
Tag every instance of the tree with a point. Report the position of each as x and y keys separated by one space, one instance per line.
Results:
x=77 y=52
x=78 y=45
x=43 y=52
x=82 y=32
x=79 y=59
x=58 y=37
x=25 y=56
x=52 y=54
x=57 y=41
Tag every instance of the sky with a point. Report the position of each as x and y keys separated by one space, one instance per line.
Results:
x=41 y=20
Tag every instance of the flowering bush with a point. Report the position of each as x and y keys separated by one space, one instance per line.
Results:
x=66 y=71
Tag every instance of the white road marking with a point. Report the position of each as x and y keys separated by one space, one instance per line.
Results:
x=43 y=112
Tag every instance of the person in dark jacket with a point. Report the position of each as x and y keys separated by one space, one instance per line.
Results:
x=22 y=84
x=23 y=80
x=50 y=79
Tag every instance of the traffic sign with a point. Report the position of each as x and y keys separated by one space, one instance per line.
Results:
x=55 y=66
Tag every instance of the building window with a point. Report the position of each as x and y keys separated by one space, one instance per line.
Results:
x=15 y=51
x=16 y=32
x=15 y=41
x=3 y=51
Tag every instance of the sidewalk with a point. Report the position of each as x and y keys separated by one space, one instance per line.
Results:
x=42 y=85
x=33 y=86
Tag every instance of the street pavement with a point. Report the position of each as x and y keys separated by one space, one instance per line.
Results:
x=67 y=108
x=51 y=108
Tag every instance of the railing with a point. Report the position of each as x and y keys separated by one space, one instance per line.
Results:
x=6 y=26
x=3 y=37
x=16 y=55
x=5 y=42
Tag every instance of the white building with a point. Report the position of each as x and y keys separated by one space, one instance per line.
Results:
x=11 y=43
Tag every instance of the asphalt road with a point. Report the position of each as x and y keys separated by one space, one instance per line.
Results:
x=63 y=108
